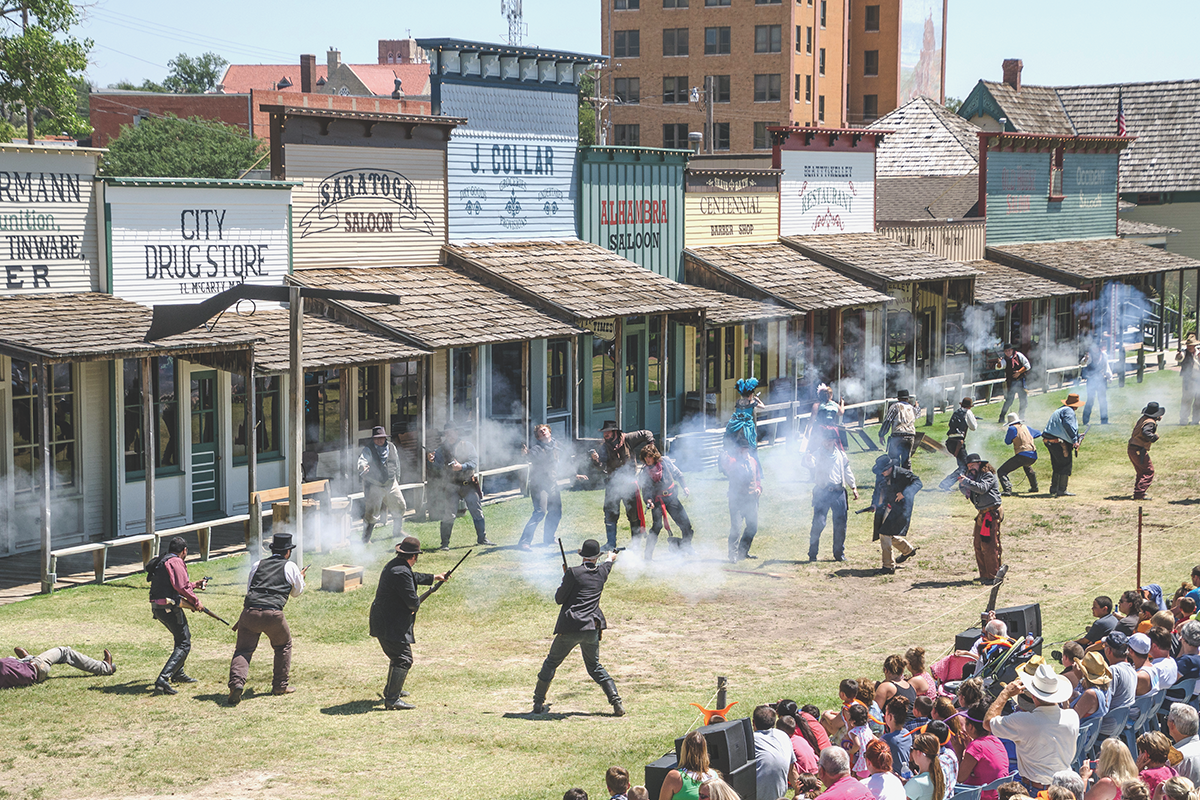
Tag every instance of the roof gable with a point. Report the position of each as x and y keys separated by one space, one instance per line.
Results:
x=926 y=139
x=1033 y=109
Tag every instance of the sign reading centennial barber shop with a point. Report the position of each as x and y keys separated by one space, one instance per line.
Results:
x=830 y=192
x=181 y=244
x=729 y=207
x=47 y=221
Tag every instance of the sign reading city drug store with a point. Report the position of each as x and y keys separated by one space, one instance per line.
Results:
x=181 y=243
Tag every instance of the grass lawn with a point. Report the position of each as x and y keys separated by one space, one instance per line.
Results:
x=674 y=627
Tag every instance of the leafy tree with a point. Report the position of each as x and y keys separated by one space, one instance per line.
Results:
x=953 y=104
x=146 y=86
x=40 y=60
x=587 y=111
x=170 y=147
x=8 y=132
x=194 y=75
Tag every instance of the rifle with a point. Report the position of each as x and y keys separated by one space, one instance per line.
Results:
x=438 y=584
x=866 y=510
x=564 y=555
x=205 y=610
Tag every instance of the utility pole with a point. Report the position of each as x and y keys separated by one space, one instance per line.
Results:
x=28 y=89
x=708 y=114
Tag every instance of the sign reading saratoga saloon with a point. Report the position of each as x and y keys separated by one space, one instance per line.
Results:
x=48 y=238
x=726 y=206
x=828 y=183
x=179 y=241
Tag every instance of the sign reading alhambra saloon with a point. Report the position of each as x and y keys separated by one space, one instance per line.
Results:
x=827 y=192
x=731 y=207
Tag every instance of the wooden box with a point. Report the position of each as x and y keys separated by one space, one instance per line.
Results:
x=341 y=578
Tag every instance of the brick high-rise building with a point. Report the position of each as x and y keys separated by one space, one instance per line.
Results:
x=826 y=63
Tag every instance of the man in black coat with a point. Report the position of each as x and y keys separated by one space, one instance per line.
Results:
x=392 y=615
x=580 y=622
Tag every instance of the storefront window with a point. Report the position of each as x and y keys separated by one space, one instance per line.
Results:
x=267 y=425
x=406 y=396
x=27 y=426
x=654 y=364
x=899 y=335
x=754 y=349
x=1064 y=319
x=368 y=397
x=604 y=377
x=464 y=385
x=712 y=355
x=557 y=362
x=730 y=349
x=166 y=414
x=322 y=410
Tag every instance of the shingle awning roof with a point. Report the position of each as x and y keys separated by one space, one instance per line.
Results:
x=328 y=344
x=781 y=272
x=1137 y=227
x=877 y=259
x=90 y=326
x=1001 y=283
x=578 y=279
x=442 y=307
x=727 y=309
x=1035 y=109
x=1083 y=261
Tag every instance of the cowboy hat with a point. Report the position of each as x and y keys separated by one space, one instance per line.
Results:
x=882 y=463
x=281 y=543
x=409 y=546
x=974 y=458
x=1046 y=686
x=1153 y=409
x=1095 y=670
x=610 y=425
x=1073 y=400
x=1011 y=419
x=378 y=430
x=902 y=394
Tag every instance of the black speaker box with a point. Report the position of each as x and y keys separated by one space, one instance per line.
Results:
x=656 y=773
x=1022 y=621
x=730 y=744
x=744 y=779
x=966 y=639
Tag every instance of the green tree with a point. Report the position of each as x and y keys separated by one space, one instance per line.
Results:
x=147 y=85
x=40 y=61
x=953 y=104
x=587 y=111
x=194 y=75
x=170 y=147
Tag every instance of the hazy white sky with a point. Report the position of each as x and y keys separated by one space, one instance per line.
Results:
x=1061 y=41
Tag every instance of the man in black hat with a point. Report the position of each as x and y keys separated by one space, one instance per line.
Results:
x=455 y=464
x=980 y=485
x=379 y=468
x=1016 y=366
x=961 y=421
x=170 y=589
x=580 y=622
x=901 y=420
x=392 y=614
x=272 y=581
x=895 y=491
x=618 y=459
x=1145 y=433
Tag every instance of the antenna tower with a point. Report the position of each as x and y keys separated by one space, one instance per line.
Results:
x=511 y=9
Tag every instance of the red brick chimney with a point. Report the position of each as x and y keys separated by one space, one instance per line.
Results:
x=308 y=72
x=1012 y=72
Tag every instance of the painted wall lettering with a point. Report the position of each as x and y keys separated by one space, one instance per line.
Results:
x=824 y=192
x=343 y=192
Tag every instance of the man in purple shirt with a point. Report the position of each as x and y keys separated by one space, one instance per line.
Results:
x=170 y=589
x=26 y=670
x=834 y=772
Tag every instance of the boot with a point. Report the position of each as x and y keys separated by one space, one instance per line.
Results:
x=1054 y=481
x=480 y=535
x=1033 y=484
x=540 y=706
x=1005 y=486
x=182 y=677
x=367 y=532
x=651 y=541
x=446 y=530
x=610 y=691
x=396 y=678
x=1062 y=487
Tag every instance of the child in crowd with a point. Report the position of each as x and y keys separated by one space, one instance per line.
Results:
x=858 y=737
x=922 y=709
x=866 y=696
x=617 y=781
x=808 y=786
x=639 y=793
x=834 y=722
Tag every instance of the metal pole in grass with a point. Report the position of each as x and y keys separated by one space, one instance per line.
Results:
x=1139 y=556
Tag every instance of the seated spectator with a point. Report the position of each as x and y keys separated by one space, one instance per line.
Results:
x=1105 y=622
x=1146 y=609
x=683 y=782
x=1154 y=750
x=834 y=772
x=944 y=711
x=1188 y=660
x=946 y=754
x=716 y=789
x=1072 y=654
x=1185 y=609
x=835 y=721
x=809 y=786
x=866 y=696
x=919 y=678
x=993 y=640
x=1114 y=769
x=806 y=756
x=970 y=693
x=1195 y=593
x=1007 y=791
x=882 y=782
x=1160 y=657
x=811 y=714
x=1177 y=788
x=922 y=709
x=776 y=767
x=1135 y=790
x=575 y=793
x=1056 y=793
x=1182 y=725
x=1122 y=690
x=1095 y=678
x=617 y=781
x=897 y=738
x=1139 y=656
x=1044 y=737
x=985 y=758
x=1069 y=780
x=1127 y=609
x=641 y=793
x=928 y=781
x=894 y=683
x=859 y=736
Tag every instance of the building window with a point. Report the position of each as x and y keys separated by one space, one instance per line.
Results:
x=768 y=38
x=821 y=62
x=808 y=88
x=870 y=107
x=27 y=426
x=711 y=3
x=808 y=40
x=730 y=353
x=368 y=397
x=1056 y=174
x=266 y=411
x=675 y=90
x=762 y=137
x=754 y=345
x=166 y=415
x=768 y=2
x=716 y=41
x=871 y=21
x=712 y=360
x=675 y=41
x=627 y=44
x=766 y=88
x=871 y=63
x=627 y=135
x=558 y=359
x=1064 y=319
x=821 y=108
x=603 y=372
x=720 y=87
x=322 y=410
x=675 y=3
x=654 y=364
x=797 y=89
x=404 y=412
x=628 y=90
x=675 y=135
x=799 y=38
x=627 y=5
x=823 y=4
x=720 y=136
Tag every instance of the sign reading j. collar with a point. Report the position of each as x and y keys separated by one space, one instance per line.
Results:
x=180 y=244
x=827 y=193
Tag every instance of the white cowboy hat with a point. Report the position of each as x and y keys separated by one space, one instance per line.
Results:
x=1046 y=686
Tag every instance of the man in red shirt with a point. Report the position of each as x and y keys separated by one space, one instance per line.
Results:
x=834 y=772
x=170 y=589
x=26 y=669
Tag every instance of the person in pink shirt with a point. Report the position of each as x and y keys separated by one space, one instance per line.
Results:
x=170 y=591
x=984 y=759
x=1154 y=750
x=834 y=771
x=806 y=757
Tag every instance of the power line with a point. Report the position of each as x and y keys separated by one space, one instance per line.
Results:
x=129 y=55
x=186 y=37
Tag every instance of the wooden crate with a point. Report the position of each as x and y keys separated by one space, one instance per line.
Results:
x=341 y=578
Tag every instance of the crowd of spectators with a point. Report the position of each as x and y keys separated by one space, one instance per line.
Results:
x=925 y=733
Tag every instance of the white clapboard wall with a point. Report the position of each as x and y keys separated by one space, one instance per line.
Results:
x=513 y=168
x=48 y=223
x=183 y=244
x=826 y=193
x=366 y=206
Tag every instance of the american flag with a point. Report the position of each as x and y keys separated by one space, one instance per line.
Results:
x=1120 y=115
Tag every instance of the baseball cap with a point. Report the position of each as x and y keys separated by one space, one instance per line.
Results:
x=1140 y=644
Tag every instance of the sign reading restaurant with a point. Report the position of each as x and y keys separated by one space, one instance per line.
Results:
x=47 y=220
x=824 y=192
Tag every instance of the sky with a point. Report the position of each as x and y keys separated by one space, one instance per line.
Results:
x=1061 y=42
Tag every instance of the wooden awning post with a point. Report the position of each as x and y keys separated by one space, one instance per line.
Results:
x=251 y=425
x=345 y=397
x=296 y=422
x=149 y=446
x=43 y=394
x=663 y=376
x=575 y=401
x=702 y=346
x=619 y=371
x=526 y=389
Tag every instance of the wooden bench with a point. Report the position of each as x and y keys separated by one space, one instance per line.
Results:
x=99 y=551
x=203 y=532
x=331 y=507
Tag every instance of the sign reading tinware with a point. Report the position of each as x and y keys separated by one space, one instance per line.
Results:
x=178 y=244
x=47 y=222
x=827 y=192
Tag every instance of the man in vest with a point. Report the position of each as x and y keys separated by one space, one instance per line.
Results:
x=169 y=590
x=900 y=420
x=1021 y=437
x=379 y=468
x=1016 y=367
x=961 y=421
x=618 y=459
x=392 y=615
x=1145 y=433
x=895 y=492
x=272 y=581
